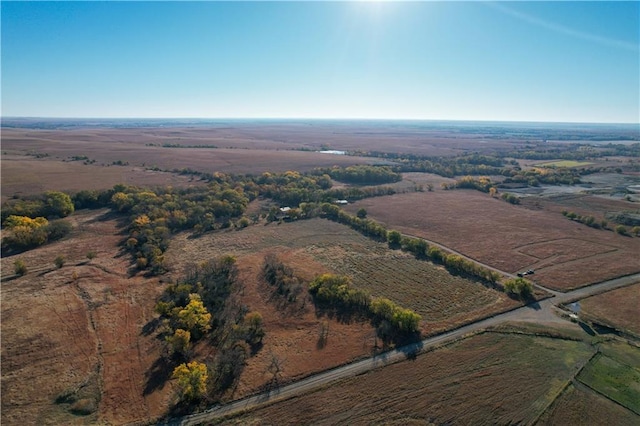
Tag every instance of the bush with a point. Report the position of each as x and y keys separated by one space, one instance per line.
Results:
x=59 y=261
x=519 y=287
x=20 y=267
x=621 y=230
x=394 y=238
x=58 y=229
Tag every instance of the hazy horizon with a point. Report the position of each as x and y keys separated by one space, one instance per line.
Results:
x=557 y=62
x=339 y=119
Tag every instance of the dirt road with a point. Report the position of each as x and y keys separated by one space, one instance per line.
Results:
x=539 y=312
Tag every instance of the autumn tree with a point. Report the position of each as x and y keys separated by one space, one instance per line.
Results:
x=192 y=380
x=179 y=342
x=195 y=317
x=519 y=287
x=58 y=204
x=252 y=324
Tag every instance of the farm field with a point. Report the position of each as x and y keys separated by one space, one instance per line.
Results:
x=616 y=309
x=316 y=246
x=598 y=206
x=82 y=344
x=565 y=254
x=579 y=405
x=53 y=175
x=616 y=380
x=479 y=380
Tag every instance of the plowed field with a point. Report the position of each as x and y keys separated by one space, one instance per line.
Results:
x=565 y=254
x=491 y=378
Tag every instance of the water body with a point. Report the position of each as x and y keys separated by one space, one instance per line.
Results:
x=333 y=151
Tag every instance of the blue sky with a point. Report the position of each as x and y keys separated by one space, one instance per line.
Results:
x=519 y=61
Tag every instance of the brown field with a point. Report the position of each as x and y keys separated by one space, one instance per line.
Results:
x=23 y=175
x=86 y=336
x=491 y=378
x=582 y=204
x=61 y=334
x=241 y=148
x=579 y=405
x=317 y=246
x=564 y=254
x=79 y=336
x=616 y=309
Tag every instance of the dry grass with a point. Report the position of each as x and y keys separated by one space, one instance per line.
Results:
x=580 y=406
x=316 y=246
x=19 y=178
x=617 y=309
x=78 y=328
x=564 y=254
x=491 y=378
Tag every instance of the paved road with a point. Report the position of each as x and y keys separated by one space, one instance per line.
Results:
x=537 y=312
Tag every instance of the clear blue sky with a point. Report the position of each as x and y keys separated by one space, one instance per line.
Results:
x=553 y=61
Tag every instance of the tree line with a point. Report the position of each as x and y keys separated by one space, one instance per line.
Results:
x=202 y=305
x=393 y=323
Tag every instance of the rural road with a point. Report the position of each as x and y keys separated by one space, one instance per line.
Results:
x=537 y=312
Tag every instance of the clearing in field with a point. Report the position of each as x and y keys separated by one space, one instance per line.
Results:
x=491 y=378
x=617 y=309
x=317 y=246
x=564 y=254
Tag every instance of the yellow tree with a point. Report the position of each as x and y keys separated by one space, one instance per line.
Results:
x=195 y=316
x=192 y=380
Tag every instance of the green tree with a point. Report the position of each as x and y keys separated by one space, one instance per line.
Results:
x=362 y=213
x=519 y=287
x=192 y=380
x=394 y=238
x=58 y=204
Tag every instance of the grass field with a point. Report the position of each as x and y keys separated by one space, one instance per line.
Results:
x=511 y=238
x=616 y=380
x=617 y=309
x=316 y=246
x=77 y=331
x=491 y=378
x=580 y=406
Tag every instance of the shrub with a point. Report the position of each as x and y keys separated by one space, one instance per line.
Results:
x=20 y=267
x=621 y=229
x=519 y=287
x=58 y=229
x=59 y=261
x=394 y=238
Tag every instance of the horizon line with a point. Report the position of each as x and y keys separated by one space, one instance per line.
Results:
x=412 y=119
